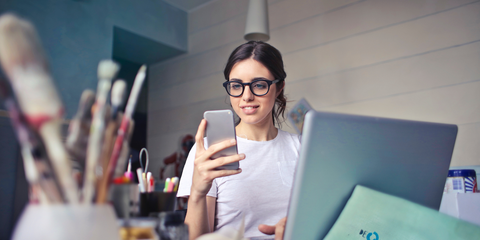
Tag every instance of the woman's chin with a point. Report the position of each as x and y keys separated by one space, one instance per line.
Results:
x=253 y=120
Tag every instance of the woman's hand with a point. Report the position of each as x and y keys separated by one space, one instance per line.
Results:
x=203 y=172
x=278 y=229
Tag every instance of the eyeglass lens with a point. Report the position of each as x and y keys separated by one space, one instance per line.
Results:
x=257 y=87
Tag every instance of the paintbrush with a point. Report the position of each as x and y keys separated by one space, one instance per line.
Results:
x=107 y=70
x=25 y=65
x=36 y=166
x=126 y=120
x=105 y=180
x=79 y=129
x=117 y=98
x=125 y=152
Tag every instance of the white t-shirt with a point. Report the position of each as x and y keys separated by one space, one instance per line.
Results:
x=261 y=192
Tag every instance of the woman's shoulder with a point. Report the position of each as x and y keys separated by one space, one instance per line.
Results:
x=291 y=137
x=283 y=133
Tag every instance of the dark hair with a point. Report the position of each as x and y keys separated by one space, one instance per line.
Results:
x=271 y=58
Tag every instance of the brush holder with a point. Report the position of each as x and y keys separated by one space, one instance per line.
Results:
x=125 y=199
x=72 y=222
x=156 y=202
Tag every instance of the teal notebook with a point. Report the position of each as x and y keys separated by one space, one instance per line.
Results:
x=373 y=215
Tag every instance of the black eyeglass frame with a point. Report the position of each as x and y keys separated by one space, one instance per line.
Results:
x=269 y=82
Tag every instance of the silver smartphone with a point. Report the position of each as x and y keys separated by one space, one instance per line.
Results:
x=221 y=127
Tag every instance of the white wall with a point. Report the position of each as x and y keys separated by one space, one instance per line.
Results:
x=409 y=59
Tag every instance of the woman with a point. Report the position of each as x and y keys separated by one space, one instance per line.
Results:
x=258 y=192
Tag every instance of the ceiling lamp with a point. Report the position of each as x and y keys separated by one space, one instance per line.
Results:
x=257 y=21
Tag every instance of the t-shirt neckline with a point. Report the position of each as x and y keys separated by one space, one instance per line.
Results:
x=263 y=142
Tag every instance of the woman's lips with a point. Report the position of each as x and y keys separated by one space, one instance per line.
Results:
x=249 y=109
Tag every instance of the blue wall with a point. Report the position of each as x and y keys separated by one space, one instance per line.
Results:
x=78 y=34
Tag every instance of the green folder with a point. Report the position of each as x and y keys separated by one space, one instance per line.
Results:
x=373 y=215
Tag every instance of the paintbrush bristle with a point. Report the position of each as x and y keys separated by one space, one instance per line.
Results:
x=118 y=92
x=107 y=69
x=23 y=59
x=19 y=43
x=143 y=69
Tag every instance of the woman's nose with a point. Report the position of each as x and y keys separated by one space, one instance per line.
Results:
x=247 y=94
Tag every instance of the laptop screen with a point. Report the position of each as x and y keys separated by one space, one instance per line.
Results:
x=408 y=159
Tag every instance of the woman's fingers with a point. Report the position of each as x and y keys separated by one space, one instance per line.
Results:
x=205 y=155
x=224 y=173
x=199 y=137
x=219 y=147
x=213 y=148
x=204 y=167
x=215 y=163
x=280 y=228
x=266 y=229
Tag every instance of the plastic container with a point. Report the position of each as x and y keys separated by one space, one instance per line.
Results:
x=72 y=222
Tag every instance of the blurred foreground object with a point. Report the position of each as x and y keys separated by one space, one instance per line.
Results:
x=44 y=186
x=226 y=233
x=25 y=65
x=376 y=215
x=72 y=222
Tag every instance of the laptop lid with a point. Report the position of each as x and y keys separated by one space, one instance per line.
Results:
x=408 y=159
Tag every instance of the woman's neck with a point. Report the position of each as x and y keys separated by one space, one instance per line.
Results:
x=257 y=132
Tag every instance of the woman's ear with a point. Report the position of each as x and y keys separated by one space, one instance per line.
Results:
x=279 y=90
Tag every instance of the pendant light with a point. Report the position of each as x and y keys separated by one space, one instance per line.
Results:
x=257 y=21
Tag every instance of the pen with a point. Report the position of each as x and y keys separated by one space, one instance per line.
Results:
x=171 y=185
x=167 y=182
x=175 y=185
x=128 y=173
x=141 y=183
x=152 y=183
x=149 y=182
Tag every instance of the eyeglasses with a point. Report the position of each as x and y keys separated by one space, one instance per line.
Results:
x=257 y=87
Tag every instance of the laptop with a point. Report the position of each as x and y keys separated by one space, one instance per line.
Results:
x=408 y=159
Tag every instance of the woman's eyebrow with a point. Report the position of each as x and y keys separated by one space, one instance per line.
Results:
x=254 y=79
x=259 y=78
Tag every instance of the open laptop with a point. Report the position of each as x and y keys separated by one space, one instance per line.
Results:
x=408 y=159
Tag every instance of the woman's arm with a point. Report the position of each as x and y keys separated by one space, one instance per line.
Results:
x=200 y=215
x=201 y=208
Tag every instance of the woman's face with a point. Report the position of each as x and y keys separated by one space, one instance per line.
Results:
x=250 y=108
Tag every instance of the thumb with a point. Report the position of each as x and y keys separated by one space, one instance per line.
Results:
x=267 y=229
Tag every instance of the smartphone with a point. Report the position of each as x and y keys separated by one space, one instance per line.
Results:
x=221 y=127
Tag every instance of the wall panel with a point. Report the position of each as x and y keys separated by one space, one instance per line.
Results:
x=408 y=59
x=458 y=26
x=436 y=69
